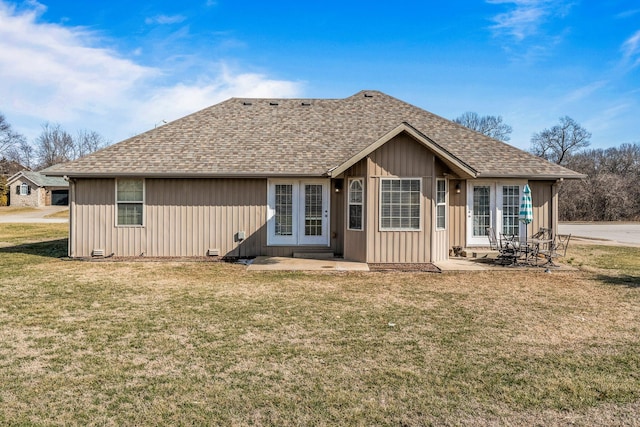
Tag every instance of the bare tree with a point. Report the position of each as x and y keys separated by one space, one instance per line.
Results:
x=610 y=191
x=560 y=141
x=8 y=138
x=54 y=145
x=491 y=126
x=88 y=141
x=22 y=153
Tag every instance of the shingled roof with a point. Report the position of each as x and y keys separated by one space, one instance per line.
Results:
x=302 y=137
x=39 y=179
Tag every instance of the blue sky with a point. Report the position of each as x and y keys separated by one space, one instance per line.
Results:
x=121 y=67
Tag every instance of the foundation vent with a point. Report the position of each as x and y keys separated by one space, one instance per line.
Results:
x=97 y=252
x=213 y=252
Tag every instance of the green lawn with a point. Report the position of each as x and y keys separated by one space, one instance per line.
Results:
x=193 y=343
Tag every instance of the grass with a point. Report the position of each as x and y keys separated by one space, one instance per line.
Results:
x=126 y=343
x=10 y=210
x=59 y=214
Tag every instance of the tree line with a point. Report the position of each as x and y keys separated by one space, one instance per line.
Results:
x=54 y=145
x=610 y=191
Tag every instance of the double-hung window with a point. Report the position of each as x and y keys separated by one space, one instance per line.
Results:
x=400 y=203
x=25 y=190
x=129 y=201
x=441 y=204
x=356 y=197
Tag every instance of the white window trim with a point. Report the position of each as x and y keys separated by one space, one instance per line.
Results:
x=350 y=180
x=392 y=178
x=24 y=189
x=444 y=203
x=143 y=203
x=296 y=239
x=272 y=238
x=495 y=206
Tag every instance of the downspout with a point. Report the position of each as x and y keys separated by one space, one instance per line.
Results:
x=554 y=205
x=72 y=206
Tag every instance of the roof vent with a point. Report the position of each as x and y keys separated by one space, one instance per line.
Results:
x=305 y=104
x=247 y=103
x=368 y=95
x=273 y=103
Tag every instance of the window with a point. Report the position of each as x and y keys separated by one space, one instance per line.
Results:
x=129 y=201
x=400 y=204
x=284 y=210
x=481 y=210
x=510 y=210
x=25 y=190
x=441 y=204
x=355 y=204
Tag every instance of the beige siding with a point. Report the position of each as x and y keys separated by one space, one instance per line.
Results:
x=187 y=217
x=542 y=196
x=355 y=241
x=337 y=225
x=182 y=218
x=457 y=213
x=400 y=157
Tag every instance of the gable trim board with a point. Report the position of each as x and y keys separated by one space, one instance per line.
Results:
x=220 y=195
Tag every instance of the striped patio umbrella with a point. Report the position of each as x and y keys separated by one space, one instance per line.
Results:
x=526 y=209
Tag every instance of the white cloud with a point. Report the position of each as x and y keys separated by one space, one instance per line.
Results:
x=523 y=20
x=627 y=13
x=170 y=103
x=526 y=17
x=165 y=19
x=631 y=49
x=53 y=73
x=585 y=91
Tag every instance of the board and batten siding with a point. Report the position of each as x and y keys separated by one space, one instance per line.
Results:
x=182 y=217
x=457 y=213
x=544 y=197
x=355 y=241
x=401 y=157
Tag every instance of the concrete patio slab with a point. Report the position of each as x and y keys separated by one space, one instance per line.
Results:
x=264 y=263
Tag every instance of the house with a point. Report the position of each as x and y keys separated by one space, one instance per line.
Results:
x=368 y=177
x=28 y=188
x=7 y=169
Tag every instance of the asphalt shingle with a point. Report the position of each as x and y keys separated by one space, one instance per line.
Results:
x=296 y=137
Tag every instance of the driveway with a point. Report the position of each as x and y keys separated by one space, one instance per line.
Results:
x=624 y=233
x=34 y=216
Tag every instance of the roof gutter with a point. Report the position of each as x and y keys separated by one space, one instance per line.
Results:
x=71 y=175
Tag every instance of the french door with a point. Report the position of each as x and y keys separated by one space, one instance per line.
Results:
x=298 y=212
x=493 y=204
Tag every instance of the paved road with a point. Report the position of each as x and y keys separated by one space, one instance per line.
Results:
x=37 y=215
x=626 y=233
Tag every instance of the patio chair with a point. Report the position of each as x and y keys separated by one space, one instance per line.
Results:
x=543 y=234
x=560 y=245
x=507 y=249
x=493 y=241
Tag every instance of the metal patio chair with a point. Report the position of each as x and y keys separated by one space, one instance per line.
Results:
x=508 y=249
x=560 y=245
